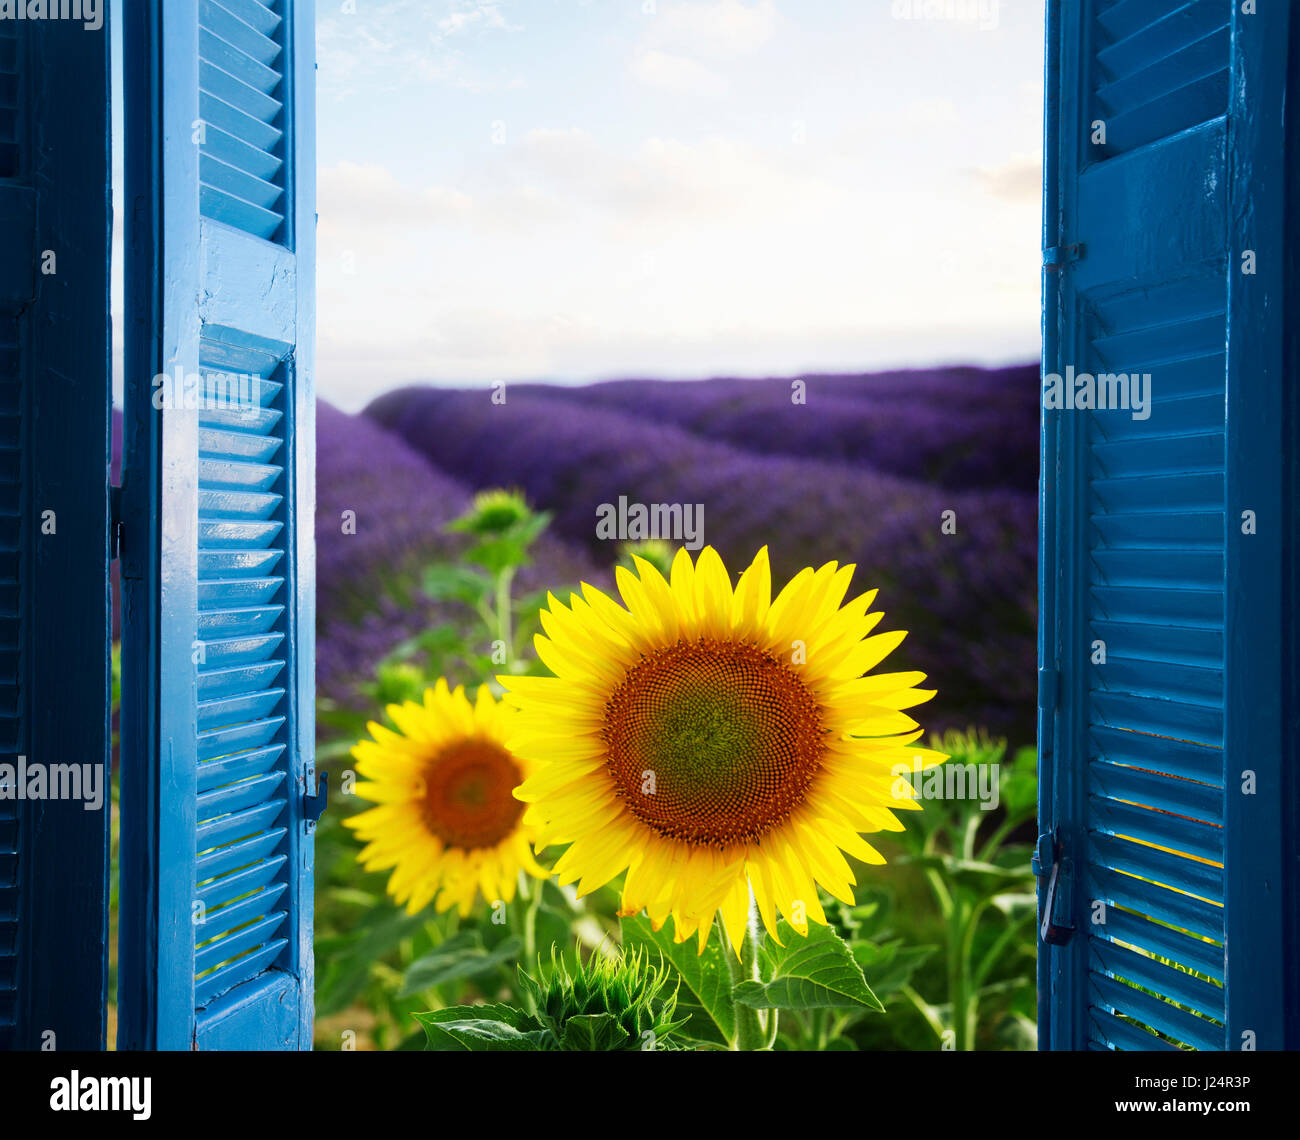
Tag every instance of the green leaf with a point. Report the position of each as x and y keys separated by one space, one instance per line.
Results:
x=530 y=602
x=1019 y=789
x=334 y=750
x=1018 y=1032
x=816 y=972
x=461 y=956
x=343 y=719
x=1013 y=902
x=351 y=966
x=889 y=966
x=593 y=1033
x=528 y=987
x=496 y=555
x=482 y=1029
x=353 y=896
x=552 y=929
x=455 y=584
x=705 y=999
x=984 y=878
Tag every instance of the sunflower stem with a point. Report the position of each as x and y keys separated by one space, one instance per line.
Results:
x=821 y=1029
x=751 y=1028
x=773 y=1017
x=530 y=921
x=505 y=580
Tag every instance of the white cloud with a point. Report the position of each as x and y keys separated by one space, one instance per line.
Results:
x=369 y=196
x=1018 y=179
x=929 y=112
x=348 y=50
x=873 y=204
x=561 y=153
x=368 y=215
x=397 y=44
x=673 y=257
x=720 y=29
x=665 y=182
x=677 y=73
x=476 y=13
x=716 y=181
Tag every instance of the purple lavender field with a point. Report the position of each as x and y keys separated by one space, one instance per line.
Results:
x=962 y=427
x=381 y=508
x=863 y=472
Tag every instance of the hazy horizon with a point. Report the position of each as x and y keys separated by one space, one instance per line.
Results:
x=566 y=192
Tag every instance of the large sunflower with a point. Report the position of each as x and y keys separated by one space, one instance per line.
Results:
x=713 y=741
x=447 y=822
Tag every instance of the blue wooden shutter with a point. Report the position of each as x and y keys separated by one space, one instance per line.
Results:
x=54 y=401
x=218 y=563
x=1145 y=824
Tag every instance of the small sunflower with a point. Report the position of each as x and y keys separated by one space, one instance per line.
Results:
x=447 y=822
x=714 y=741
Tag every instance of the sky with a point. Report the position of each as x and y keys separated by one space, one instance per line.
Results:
x=571 y=190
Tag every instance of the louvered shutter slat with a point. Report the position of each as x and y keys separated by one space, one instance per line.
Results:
x=1161 y=941
x=1151 y=864
x=236 y=651
x=262 y=907
x=223 y=22
x=10 y=608
x=1162 y=68
x=54 y=651
x=244 y=765
x=1158 y=1013
x=10 y=102
x=1107 y=1031
x=257 y=14
x=218 y=742
x=1146 y=898
x=215 y=892
x=1142 y=555
x=1181 y=986
x=236 y=944
x=227 y=806
x=239 y=970
x=1145 y=824
x=236 y=577
x=1184 y=799
x=241 y=78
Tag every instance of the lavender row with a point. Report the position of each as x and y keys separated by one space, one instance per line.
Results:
x=968 y=596
x=960 y=428
x=380 y=512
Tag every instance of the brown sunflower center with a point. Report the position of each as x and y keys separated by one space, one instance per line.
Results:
x=712 y=742
x=467 y=794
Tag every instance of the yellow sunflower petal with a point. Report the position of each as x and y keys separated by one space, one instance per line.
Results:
x=716 y=743
x=448 y=824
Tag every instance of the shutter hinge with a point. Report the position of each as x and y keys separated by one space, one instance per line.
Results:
x=1055 y=926
x=313 y=805
x=1049 y=683
x=1057 y=256
x=114 y=523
